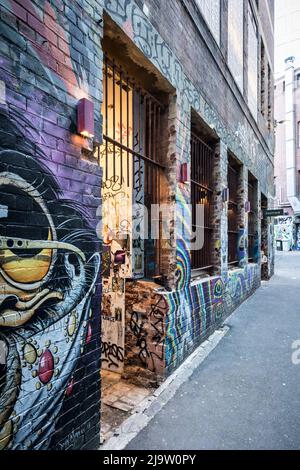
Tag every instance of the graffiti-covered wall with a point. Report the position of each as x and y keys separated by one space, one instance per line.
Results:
x=162 y=328
x=195 y=312
x=49 y=251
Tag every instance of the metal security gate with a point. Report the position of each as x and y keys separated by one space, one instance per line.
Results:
x=131 y=151
x=201 y=193
x=131 y=161
x=251 y=221
x=233 y=229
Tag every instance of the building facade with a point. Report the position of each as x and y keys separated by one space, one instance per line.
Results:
x=183 y=119
x=287 y=156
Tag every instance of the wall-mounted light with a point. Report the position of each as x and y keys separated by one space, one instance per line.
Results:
x=85 y=118
x=183 y=173
x=203 y=196
x=225 y=195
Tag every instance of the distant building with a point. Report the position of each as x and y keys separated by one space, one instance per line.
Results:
x=287 y=150
x=287 y=33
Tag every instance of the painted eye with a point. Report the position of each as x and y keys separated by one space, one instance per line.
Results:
x=22 y=217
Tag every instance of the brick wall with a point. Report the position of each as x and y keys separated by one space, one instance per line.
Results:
x=163 y=328
x=173 y=41
x=50 y=57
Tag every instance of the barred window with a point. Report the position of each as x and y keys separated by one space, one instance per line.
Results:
x=233 y=227
x=263 y=97
x=252 y=216
x=131 y=162
x=201 y=193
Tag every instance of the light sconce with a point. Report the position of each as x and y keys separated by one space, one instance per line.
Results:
x=183 y=176
x=225 y=195
x=247 y=206
x=85 y=118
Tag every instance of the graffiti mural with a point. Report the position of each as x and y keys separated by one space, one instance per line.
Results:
x=49 y=252
x=145 y=326
x=194 y=312
x=283 y=232
x=49 y=265
x=298 y=237
x=242 y=247
x=241 y=139
x=192 y=309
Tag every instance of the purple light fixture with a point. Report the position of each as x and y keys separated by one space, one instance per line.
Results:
x=85 y=118
x=183 y=176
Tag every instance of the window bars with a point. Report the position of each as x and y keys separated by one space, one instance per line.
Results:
x=251 y=220
x=201 y=193
x=233 y=229
x=130 y=153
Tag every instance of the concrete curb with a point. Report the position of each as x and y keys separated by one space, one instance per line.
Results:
x=152 y=405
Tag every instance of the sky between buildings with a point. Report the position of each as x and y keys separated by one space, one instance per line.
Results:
x=287 y=33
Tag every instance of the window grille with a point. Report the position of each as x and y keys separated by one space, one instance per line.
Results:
x=251 y=220
x=233 y=229
x=201 y=193
x=130 y=153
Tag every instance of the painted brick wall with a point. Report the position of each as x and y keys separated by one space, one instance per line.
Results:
x=163 y=328
x=50 y=57
x=196 y=311
x=180 y=47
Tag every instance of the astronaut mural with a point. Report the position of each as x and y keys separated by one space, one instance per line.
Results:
x=49 y=265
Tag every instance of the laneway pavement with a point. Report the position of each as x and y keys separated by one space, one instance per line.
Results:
x=246 y=394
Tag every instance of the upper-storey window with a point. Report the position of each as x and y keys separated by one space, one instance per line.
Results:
x=235 y=40
x=263 y=98
x=210 y=10
x=252 y=63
